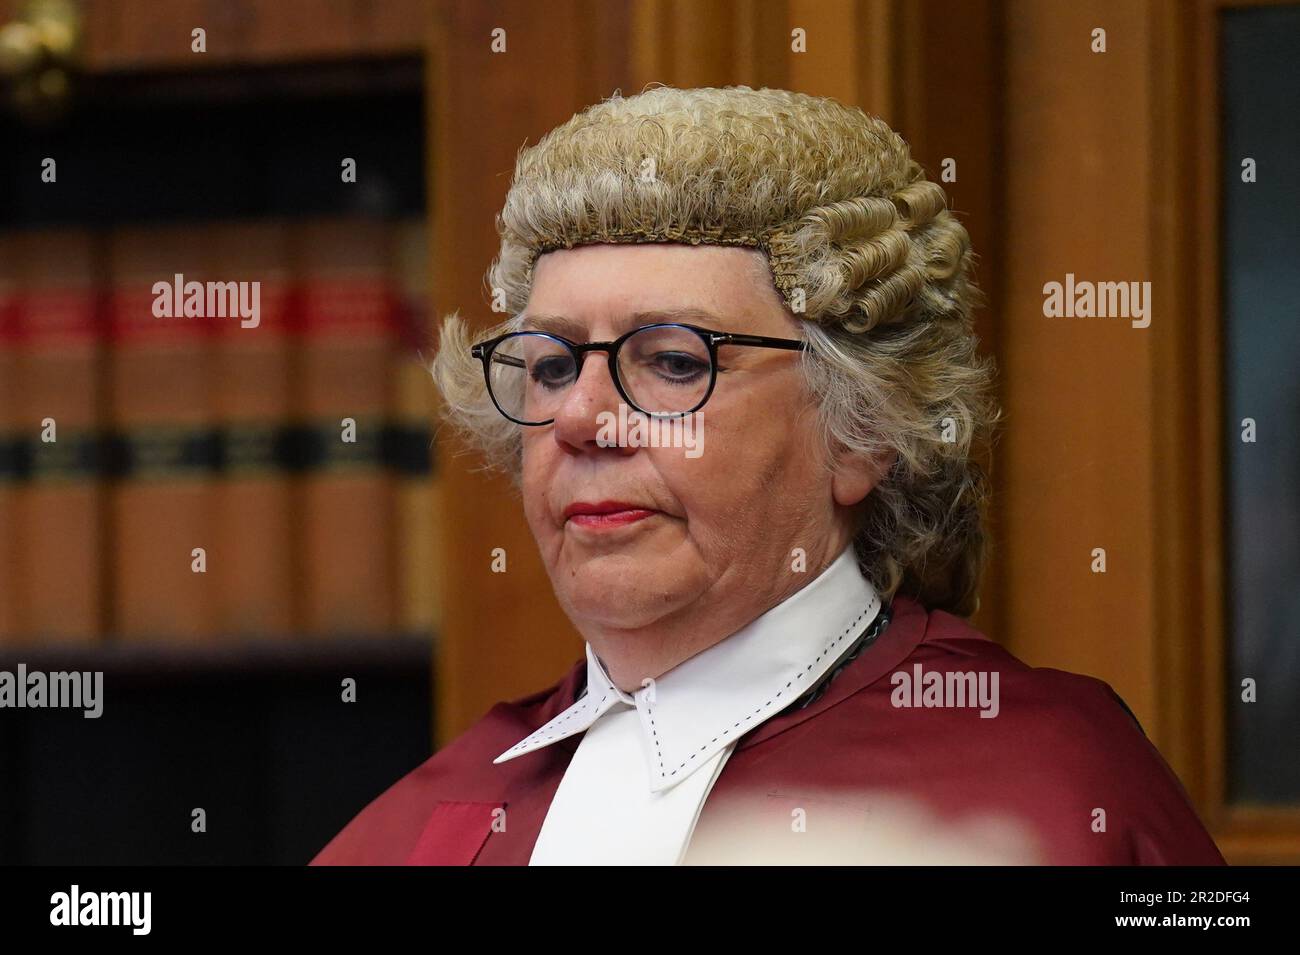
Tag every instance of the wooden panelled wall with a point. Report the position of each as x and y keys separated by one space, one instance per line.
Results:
x=1097 y=164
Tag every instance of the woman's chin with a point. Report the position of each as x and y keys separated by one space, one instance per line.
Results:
x=613 y=594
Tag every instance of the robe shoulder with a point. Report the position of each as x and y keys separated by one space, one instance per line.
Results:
x=1062 y=758
x=386 y=831
x=1060 y=752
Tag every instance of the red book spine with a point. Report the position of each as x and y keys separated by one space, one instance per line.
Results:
x=419 y=490
x=161 y=400
x=253 y=570
x=10 y=428
x=55 y=410
x=347 y=550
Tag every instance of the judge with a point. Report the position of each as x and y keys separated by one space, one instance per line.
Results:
x=778 y=661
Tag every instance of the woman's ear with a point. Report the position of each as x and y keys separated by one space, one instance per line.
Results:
x=856 y=475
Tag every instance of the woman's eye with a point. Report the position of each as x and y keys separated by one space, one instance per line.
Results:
x=552 y=372
x=679 y=366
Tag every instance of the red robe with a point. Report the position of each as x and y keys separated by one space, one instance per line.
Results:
x=1062 y=749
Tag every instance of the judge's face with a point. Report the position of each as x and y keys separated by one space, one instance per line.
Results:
x=717 y=526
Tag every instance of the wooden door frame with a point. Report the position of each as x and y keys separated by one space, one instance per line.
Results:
x=1192 y=642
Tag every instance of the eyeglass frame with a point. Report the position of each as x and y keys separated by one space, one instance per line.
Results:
x=712 y=339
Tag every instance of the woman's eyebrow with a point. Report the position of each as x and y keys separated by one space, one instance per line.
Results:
x=689 y=314
x=571 y=328
x=555 y=324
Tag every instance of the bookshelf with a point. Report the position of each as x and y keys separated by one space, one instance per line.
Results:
x=319 y=557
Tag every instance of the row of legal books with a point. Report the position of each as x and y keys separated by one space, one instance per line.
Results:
x=216 y=431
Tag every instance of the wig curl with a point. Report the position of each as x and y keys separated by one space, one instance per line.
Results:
x=861 y=248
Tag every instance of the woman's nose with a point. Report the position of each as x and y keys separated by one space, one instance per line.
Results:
x=578 y=418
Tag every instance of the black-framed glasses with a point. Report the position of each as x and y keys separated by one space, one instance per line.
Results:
x=665 y=370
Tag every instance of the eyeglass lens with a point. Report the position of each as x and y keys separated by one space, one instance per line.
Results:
x=663 y=370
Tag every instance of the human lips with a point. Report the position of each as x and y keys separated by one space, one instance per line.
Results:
x=605 y=514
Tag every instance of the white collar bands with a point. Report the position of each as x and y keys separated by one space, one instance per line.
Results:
x=705 y=703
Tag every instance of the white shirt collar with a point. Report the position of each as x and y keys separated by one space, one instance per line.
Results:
x=707 y=702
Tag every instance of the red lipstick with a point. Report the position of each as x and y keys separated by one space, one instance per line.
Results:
x=605 y=514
